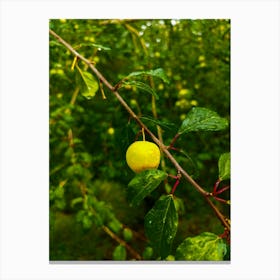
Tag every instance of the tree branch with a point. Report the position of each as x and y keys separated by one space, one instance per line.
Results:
x=205 y=194
x=122 y=242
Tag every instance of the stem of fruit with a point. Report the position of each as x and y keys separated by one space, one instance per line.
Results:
x=143 y=134
x=205 y=194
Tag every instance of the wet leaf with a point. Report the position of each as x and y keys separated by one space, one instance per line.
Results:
x=162 y=124
x=161 y=224
x=159 y=73
x=143 y=184
x=202 y=119
x=204 y=247
x=141 y=86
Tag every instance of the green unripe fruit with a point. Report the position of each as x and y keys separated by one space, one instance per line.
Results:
x=148 y=253
x=170 y=258
x=127 y=234
x=119 y=253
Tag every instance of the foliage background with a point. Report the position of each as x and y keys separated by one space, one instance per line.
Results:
x=88 y=138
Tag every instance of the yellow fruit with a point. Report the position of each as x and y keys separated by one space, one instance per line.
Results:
x=157 y=54
x=111 y=131
x=96 y=59
x=194 y=103
x=143 y=155
x=202 y=64
x=133 y=102
x=184 y=92
x=182 y=117
x=201 y=58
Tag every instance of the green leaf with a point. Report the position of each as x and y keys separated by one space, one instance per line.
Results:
x=59 y=192
x=224 y=166
x=90 y=84
x=101 y=47
x=204 y=247
x=161 y=225
x=202 y=119
x=141 y=86
x=119 y=253
x=143 y=184
x=55 y=43
x=92 y=45
x=179 y=205
x=159 y=73
x=80 y=215
x=162 y=124
x=87 y=221
x=76 y=200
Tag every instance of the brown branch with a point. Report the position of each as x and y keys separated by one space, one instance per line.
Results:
x=122 y=242
x=141 y=124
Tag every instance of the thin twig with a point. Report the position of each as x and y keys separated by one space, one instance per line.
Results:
x=173 y=141
x=141 y=124
x=122 y=242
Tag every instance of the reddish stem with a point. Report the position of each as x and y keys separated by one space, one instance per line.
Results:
x=174 y=149
x=221 y=199
x=222 y=190
x=173 y=141
x=225 y=235
x=177 y=177
x=175 y=186
x=216 y=186
x=173 y=176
